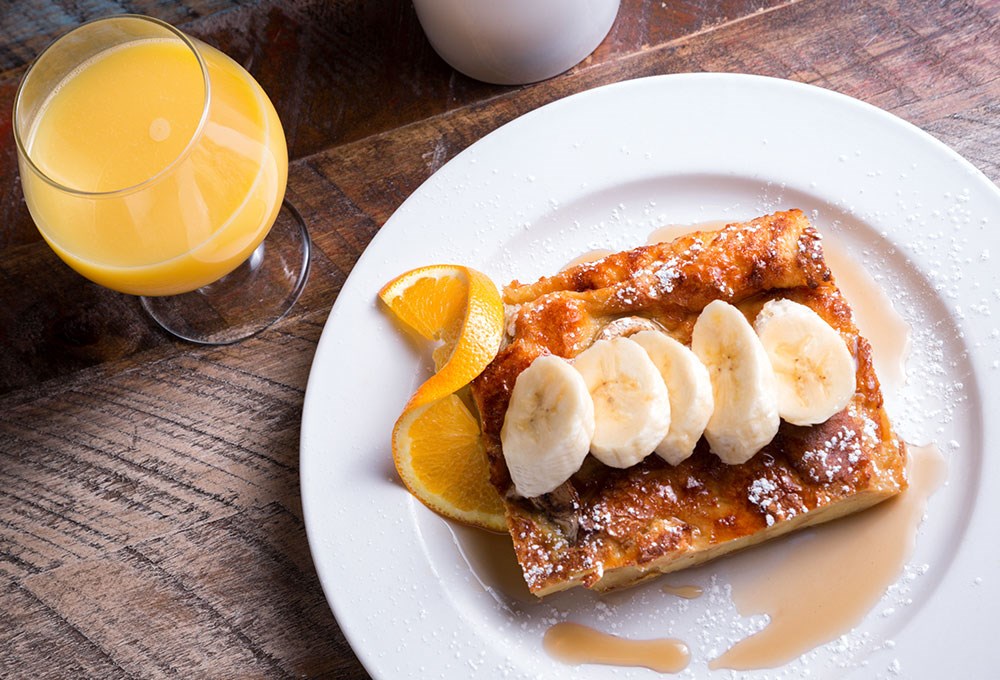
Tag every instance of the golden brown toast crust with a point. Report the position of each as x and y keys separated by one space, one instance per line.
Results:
x=606 y=527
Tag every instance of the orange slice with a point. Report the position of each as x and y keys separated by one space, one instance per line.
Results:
x=459 y=307
x=441 y=460
x=436 y=442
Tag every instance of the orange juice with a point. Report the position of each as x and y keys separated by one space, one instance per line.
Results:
x=164 y=194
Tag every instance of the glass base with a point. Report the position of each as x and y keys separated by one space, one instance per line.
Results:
x=246 y=301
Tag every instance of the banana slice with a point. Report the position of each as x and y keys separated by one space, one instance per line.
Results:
x=814 y=368
x=690 y=390
x=744 y=387
x=631 y=404
x=549 y=423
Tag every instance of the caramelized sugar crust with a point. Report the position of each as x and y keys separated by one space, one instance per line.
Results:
x=606 y=527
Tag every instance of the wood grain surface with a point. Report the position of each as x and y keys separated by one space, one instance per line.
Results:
x=150 y=523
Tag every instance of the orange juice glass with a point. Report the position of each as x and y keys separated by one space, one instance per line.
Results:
x=155 y=165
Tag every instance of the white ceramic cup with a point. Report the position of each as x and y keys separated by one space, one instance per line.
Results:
x=511 y=42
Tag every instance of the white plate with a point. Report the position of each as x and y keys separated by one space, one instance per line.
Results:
x=418 y=597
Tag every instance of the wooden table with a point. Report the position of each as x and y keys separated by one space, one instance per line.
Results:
x=150 y=522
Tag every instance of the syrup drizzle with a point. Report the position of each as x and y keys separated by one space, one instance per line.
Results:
x=576 y=644
x=820 y=583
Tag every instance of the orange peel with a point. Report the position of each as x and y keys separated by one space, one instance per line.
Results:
x=436 y=441
x=440 y=457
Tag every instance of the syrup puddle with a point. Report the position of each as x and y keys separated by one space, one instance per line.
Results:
x=814 y=586
x=671 y=231
x=686 y=592
x=660 y=235
x=874 y=315
x=589 y=256
x=574 y=644
x=820 y=583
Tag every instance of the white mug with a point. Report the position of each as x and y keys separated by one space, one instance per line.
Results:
x=512 y=42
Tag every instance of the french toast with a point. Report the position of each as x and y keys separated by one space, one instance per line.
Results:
x=606 y=527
